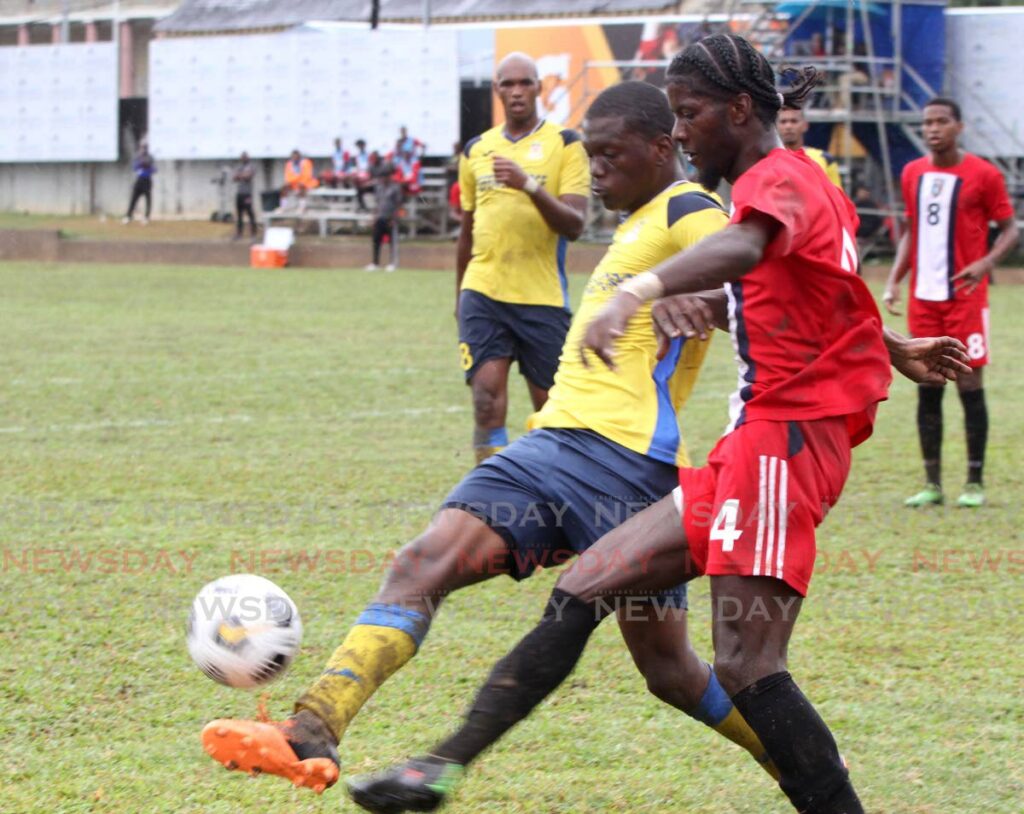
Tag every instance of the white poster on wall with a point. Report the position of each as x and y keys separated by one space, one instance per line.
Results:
x=59 y=102
x=213 y=97
x=982 y=45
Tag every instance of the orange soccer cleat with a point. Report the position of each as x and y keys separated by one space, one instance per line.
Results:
x=272 y=747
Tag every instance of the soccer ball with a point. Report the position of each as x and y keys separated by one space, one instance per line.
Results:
x=243 y=630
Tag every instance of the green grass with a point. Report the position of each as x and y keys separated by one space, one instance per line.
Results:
x=186 y=419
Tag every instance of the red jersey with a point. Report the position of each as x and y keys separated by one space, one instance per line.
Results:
x=807 y=332
x=949 y=209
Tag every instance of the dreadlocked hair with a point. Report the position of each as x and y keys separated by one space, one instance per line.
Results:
x=727 y=64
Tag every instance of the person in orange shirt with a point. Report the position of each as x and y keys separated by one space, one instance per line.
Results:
x=298 y=178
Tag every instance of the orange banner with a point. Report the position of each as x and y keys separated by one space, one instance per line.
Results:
x=568 y=83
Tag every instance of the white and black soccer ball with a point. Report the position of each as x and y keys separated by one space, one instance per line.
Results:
x=243 y=630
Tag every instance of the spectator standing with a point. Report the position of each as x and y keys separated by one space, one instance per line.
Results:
x=389 y=196
x=144 y=168
x=245 y=170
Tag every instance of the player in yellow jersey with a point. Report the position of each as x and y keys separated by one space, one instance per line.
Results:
x=792 y=125
x=603 y=446
x=524 y=188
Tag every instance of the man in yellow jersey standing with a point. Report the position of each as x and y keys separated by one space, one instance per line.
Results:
x=603 y=446
x=524 y=188
x=792 y=125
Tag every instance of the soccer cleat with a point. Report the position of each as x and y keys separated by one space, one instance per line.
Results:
x=389 y=267
x=930 y=495
x=419 y=784
x=973 y=497
x=371 y=267
x=270 y=747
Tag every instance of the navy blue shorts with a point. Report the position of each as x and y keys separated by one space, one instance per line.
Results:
x=553 y=493
x=533 y=335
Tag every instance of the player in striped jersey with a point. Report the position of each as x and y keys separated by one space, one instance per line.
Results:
x=951 y=196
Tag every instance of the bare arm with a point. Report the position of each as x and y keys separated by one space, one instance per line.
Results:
x=689 y=315
x=463 y=253
x=927 y=360
x=565 y=214
x=721 y=258
x=971 y=276
x=900 y=267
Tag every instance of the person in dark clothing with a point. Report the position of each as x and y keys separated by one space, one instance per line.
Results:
x=144 y=168
x=389 y=196
x=243 y=175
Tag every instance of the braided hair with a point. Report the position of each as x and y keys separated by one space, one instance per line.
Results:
x=726 y=64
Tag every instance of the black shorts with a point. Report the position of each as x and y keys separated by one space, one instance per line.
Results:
x=554 y=492
x=533 y=335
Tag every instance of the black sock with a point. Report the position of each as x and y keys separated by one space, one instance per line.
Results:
x=929 y=428
x=524 y=677
x=976 y=425
x=800 y=745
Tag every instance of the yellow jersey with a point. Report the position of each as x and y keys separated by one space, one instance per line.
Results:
x=827 y=162
x=517 y=258
x=637 y=404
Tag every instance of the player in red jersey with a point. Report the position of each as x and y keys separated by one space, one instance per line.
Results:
x=813 y=366
x=951 y=196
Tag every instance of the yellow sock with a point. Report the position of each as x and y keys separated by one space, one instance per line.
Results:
x=383 y=639
x=717 y=711
x=483 y=453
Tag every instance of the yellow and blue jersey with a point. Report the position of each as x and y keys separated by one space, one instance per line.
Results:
x=636 y=405
x=827 y=162
x=517 y=258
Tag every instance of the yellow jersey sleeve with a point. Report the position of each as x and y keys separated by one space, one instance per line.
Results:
x=517 y=258
x=827 y=162
x=636 y=405
x=574 y=175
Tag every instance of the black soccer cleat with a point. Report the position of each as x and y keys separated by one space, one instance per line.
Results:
x=419 y=784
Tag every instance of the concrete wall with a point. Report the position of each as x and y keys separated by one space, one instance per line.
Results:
x=181 y=189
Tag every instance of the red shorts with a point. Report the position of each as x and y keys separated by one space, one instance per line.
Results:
x=753 y=509
x=966 y=320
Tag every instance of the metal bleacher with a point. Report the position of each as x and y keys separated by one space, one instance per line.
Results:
x=336 y=211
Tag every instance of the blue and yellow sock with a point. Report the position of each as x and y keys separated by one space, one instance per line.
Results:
x=717 y=711
x=487 y=442
x=380 y=643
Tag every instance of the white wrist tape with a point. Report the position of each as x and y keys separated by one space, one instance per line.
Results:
x=531 y=185
x=645 y=287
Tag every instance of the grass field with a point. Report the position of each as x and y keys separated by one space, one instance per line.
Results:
x=161 y=427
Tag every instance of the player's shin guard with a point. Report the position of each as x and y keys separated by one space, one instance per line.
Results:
x=717 y=711
x=976 y=425
x=383 y=639
x=929 y=429
x=488 y=442
x=521 y=680
x=799 y=743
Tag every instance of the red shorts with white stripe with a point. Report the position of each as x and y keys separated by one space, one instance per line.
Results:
x=966 y=320
x=753 y=509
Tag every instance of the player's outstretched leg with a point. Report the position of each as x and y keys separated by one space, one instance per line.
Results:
x=650 y=555
x=458 y=549
x=754 y=618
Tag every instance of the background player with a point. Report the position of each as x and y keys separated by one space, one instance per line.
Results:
x=951 y=196
x=811 y=375
x=602 y=445
x=792 y=126
x=524 y=187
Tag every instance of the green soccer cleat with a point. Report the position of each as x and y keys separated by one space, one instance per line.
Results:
x=419 y=784
x=973 y=497
x=929 y=496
